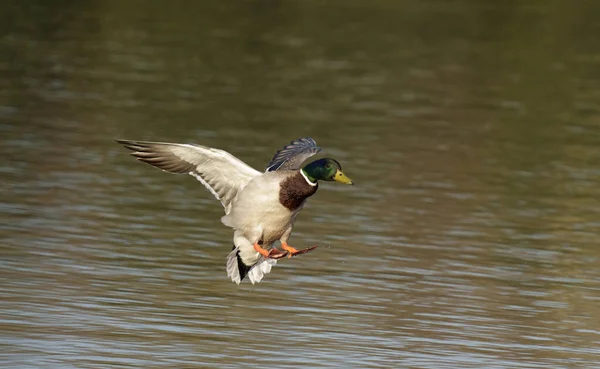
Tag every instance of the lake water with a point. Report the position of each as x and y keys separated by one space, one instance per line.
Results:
x=471 y=128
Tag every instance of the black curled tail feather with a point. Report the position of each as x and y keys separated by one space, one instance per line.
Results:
x=243 y=269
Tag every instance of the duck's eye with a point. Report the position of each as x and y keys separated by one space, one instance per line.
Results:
x=327 y=165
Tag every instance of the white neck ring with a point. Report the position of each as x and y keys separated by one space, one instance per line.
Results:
x=306 y=178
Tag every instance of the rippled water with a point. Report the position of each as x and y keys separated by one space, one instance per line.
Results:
x=470 y=240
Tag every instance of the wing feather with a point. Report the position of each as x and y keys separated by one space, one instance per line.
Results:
x=221 y=173
x=293 y=155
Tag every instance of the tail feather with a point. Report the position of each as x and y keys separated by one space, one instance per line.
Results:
x=243 y=269
x=237 y=270
x=260 y=269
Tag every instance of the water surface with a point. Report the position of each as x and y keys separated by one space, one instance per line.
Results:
x=470 y=240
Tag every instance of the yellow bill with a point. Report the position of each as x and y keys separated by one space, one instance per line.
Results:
x=341 y=177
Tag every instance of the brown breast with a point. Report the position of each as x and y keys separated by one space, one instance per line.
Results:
x=294 y=190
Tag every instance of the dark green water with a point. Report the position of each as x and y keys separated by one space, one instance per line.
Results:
x=472 y=129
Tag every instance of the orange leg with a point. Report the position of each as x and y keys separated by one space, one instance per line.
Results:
x=274 y=253
x=293 y=251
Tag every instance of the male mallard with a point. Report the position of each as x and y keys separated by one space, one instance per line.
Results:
x=260 y=207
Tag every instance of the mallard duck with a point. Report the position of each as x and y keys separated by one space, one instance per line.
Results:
x=261 y=207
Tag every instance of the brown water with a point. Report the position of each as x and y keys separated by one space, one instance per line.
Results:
x=471 y=240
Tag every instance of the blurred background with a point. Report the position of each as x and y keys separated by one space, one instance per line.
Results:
x=470 y=127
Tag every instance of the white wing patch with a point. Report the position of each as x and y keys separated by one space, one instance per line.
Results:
x=221 y=173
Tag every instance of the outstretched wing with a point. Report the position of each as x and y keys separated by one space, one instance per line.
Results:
x=293 y=155
x=222 y=173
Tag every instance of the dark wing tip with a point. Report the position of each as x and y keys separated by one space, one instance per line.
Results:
x=131 y=145
x=159 y=155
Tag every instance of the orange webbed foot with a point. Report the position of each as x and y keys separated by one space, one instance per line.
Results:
x=274 y=253
x=293 y=251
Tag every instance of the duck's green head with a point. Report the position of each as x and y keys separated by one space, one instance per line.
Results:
x=326 y=170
